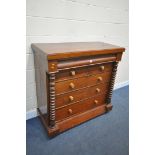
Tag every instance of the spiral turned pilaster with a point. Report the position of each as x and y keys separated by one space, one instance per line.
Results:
x=112 y=82
x=52 y=99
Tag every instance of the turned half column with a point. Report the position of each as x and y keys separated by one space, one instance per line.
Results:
x=51 y=98
x=111 y=86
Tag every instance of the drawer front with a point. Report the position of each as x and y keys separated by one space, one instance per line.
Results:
x=79 y=107
x=82 y=71
x=70 y=98
x=77 y=83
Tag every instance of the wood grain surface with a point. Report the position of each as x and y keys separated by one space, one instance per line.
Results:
x=74 y=82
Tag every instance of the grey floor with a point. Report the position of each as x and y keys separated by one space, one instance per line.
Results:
x=105 y=135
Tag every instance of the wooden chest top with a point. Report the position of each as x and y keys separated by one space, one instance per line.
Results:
x=74 y=49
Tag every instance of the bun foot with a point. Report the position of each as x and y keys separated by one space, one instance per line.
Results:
x=109 y=107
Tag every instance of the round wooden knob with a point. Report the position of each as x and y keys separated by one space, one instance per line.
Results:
x=102 y=68
x=70 y=111
x=98 y=90
x=72 y=73
x=100 y=78
x=96 y=102
x=71 y=98
x=52 y=66
x=72 y=85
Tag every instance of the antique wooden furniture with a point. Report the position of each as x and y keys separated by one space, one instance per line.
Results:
x=74 y=82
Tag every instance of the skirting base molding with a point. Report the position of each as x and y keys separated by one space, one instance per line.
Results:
x=33 y=113
x=121 y=85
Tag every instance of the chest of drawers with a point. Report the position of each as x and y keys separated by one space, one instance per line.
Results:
x=74 y=82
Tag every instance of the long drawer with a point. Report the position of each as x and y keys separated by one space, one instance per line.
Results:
x=82 y=71
x=77 y=95
x=79 y=107
x=78 y=83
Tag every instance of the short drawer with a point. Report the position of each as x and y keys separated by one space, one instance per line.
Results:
x=82 y=71
x=78 y=83
x=74 y=96
x=79 y=107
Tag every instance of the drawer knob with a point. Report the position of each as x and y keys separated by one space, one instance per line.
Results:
x=52 y=66
x=72 y=73
x=96 y=102
x=102 y=68
x=98 y=90
x=71 y=98
x=100 y=78
x=70 y=111
x=72 y=85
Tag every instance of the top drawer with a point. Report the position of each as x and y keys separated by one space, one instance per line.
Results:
x=83 y=71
